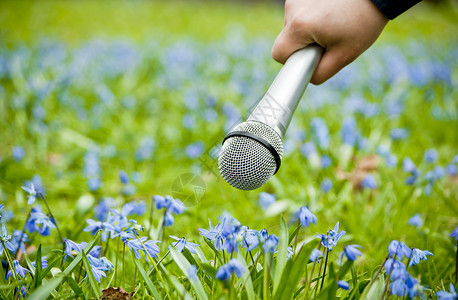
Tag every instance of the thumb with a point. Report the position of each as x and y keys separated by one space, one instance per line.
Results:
x=332 y=61
x=286 y=44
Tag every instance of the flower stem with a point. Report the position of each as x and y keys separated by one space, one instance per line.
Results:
x=55 y=222
x=10 y=261
x=324 y=272
x=388 y=279
x=123 y=266
x=116 y=264
x=266 y=275
x=22 y=234
x=297 y=235
x=135 y=275
x=151 y=217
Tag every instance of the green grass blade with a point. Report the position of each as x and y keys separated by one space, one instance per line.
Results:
x=292 y=273
x=180 y=288
x=375 y=290
x=94 y=284
x=184 y=265
x=45 y=290
x=146 y=279
x=75 y=287
x=38 y=270
x=282 y=253
x=245 y=280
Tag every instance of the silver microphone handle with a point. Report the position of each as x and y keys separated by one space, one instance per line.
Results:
x=277 y=106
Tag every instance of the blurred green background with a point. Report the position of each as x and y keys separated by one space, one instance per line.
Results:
x=371 y=219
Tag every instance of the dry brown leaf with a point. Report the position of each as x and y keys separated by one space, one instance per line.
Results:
x=366 y=165
x=113 y=293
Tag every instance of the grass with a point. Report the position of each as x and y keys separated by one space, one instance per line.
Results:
x=222 y=50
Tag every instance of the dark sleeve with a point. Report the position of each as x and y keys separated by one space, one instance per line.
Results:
x=393 y=8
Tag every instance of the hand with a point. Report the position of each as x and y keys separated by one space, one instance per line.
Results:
x=344 y=28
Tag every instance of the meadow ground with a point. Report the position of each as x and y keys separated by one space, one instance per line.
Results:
x=107 y=104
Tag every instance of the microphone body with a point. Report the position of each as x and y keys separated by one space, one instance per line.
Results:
x=252 y=151
x=277 y=106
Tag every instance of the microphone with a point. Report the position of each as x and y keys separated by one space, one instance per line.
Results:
x=251 y=152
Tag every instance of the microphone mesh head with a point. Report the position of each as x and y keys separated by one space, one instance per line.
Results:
x=245 y=163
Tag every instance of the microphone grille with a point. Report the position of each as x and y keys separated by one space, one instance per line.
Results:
x=245 y=163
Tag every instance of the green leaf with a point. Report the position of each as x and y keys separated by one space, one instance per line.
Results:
x=375 y=289
x=293 y=272
x=29 y=264
x=345 y=268
x=79 y=257
x=245 y=280
x=293 y=234
x=184 y=265
x=75 y=287
x=180 y=288
x=45 y=290
x=146 y=279
x=217 y=254
x=94 y=284
x=282 y=253
x=38 y=270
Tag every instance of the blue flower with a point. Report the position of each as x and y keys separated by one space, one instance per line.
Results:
x=398 y=134
x=413 y=288
x=351 y=252
x=31 y=197
x=399 y=249
x=174 y=206
x=325 y=161
x=123 y=177
x=192 y=272
x=343 y=285
x=326 y=185
x=395 y=268
x=18 y=153
x=99 y=267
x=289 y=253
x=416 y=221
x=44 y=262
x=20 y=270
x=330 y=240
x=102 y=209
x=418 y=255
x=315 y=255
x=308 y=149
x=454 y=234
x=182 y=243
x=146 y=149
x=149 y=248
x=270 y=245
x=391 y=160
x=369 y=182
x=321 y=132
x=349 y=132
x=214 y=234
x=250 y=239
x=232 y=267
x=266 y=199
x=95 y=226
x=306 y=217
x=71 y=246
x=408 y=165
x=451 y=170
x=195 y=149
x=431 y=155
x=398 y=287
x=169 y=220
x=443 y=295
x=18 y=240
x=39 y=222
